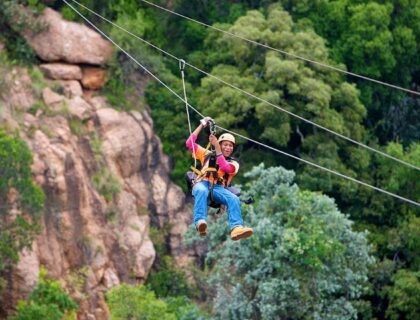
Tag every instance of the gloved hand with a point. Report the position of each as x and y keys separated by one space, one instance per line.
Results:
x=205 y=121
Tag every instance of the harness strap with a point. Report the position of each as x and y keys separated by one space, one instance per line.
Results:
x=196 y=171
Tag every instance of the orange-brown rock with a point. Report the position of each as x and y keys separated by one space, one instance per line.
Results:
x=93 y=78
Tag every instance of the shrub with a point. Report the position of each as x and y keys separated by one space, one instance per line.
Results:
x=304 y=261
x=106 y=184
x=136 y=302
x=16 y=178
x=48 y=301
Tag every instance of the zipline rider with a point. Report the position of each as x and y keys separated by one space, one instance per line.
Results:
x=213 y=180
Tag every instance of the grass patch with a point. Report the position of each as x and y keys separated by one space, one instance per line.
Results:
x=111 y=214
x=106 y=184
x=77 y=127
x=141 y=211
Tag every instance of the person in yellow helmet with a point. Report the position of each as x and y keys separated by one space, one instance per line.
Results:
x=226 y=168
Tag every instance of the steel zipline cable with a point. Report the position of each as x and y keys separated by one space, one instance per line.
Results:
x=251 y=140
x=282 y=51
x=254 y=96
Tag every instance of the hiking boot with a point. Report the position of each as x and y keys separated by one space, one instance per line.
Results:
x=240 y=232
x=202 y=227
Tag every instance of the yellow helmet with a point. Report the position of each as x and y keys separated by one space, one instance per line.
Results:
x=227 y=137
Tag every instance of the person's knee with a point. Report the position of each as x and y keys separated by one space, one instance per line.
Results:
x=234 y=201
x=200 y=189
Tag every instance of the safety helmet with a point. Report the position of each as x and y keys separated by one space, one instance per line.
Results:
x=227 y=137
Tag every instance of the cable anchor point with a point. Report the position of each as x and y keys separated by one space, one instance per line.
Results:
x=181 y=64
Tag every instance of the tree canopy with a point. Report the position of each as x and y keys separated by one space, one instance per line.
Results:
x=304 y=260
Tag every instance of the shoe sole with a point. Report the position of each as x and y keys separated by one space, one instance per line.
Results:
x=202 y=229
x=243 y=235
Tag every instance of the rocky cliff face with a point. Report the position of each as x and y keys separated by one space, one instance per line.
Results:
x=103 y=172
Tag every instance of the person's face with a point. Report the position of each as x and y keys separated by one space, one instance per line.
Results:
x=227 y=148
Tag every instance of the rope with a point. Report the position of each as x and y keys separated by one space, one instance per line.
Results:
x=125 y=52
x=284 y=52
x=323 y=168
x=182 y=67
x=256 y=97
x=246 y=138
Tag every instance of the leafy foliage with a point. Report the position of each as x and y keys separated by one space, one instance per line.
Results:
x=17 y=188
x=168 y=280
x=169 y=118
x=304 y=260
x=47 y=301
x=137 y=302
x=404 y=296
x=15 y=17
x=376 y=38
x=106 y=183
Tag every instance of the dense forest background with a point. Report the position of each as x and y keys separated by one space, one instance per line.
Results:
x=379 y=270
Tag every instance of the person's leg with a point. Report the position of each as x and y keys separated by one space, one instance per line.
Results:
x=232 y=203
x=200 y=193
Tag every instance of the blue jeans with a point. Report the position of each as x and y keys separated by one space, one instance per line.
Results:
x=201 y=194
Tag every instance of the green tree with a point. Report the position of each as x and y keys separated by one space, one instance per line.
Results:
x=168 y=280
x=138 y=302
x=404 y=296
x=15 y=17
x=381 y=210
x=170 y=120
x=305 y=89
x=47 y=301
x=379 y=39
x=304 y=260
x=16 y=190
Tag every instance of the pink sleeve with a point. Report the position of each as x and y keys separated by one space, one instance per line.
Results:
x=224 y=165
x=191 y=141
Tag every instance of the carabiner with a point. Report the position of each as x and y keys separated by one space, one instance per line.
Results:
x=181 y=64
x=212 y=126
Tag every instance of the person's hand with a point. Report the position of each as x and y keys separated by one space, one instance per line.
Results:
x=213 y=140
x=205 y=121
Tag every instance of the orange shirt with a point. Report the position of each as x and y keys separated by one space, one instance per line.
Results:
x=201 y=154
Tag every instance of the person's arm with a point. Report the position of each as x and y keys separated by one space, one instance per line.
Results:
x=224 y=165
x=190 y=143
x=221 y=161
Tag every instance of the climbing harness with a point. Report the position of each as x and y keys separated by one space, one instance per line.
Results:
x=210 y=167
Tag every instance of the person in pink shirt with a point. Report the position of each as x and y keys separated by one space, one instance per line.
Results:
x=226 y=168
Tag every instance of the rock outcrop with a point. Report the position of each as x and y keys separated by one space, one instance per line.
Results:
x=102 y=242
x=68 y=41
x=93 y=78
x=61 y=71
x=104 y=174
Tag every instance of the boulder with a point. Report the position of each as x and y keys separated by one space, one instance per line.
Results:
x=110 y=279
x=83 y=236
x=68 y=41
x=79 y=108
x=61 y=71
x=51 y=98
x=98 y=102
x=93 y=78
x=17 y=93
x=71 y=88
